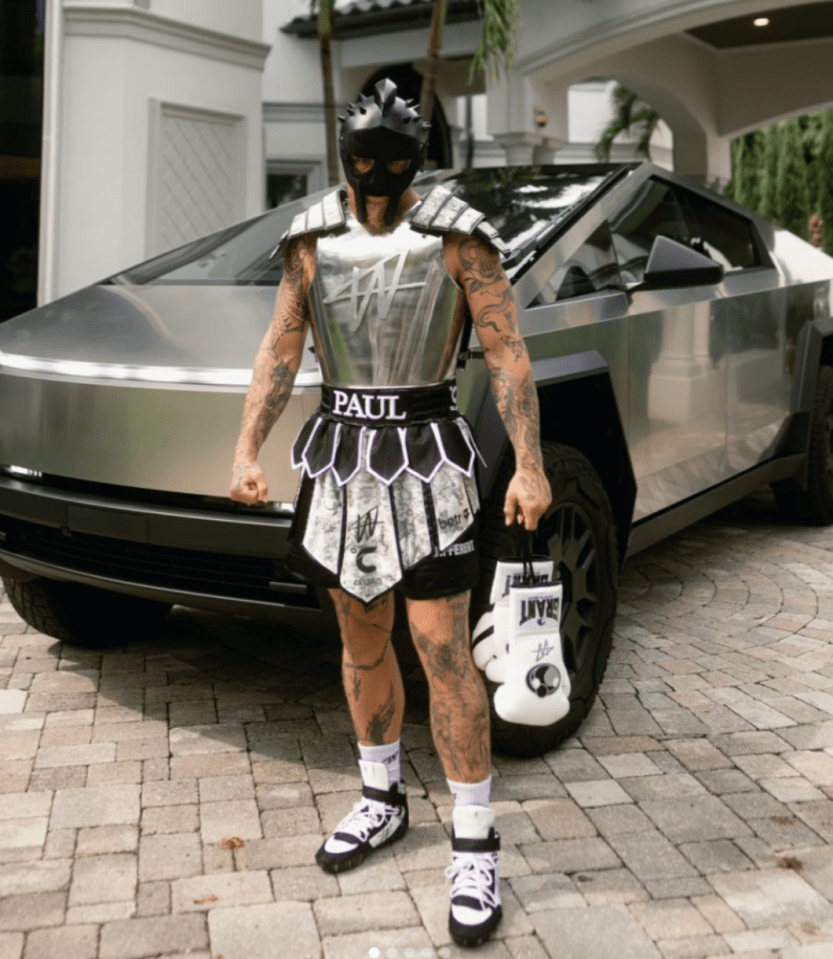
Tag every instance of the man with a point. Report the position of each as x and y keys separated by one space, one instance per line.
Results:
x=388 y=496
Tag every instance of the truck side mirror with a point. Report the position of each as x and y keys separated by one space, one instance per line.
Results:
x=675 y=264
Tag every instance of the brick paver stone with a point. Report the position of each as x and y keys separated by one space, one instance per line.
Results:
x=412 y=942
x=550 y=891
x=387 y=910
x=20 y=878
x=32 y=911
x=96 y=806
x=280 y=930
x=66 y=942
x=98 y=879
x=766 y=898
x=161 y=935
x=220 y=890
x=219 y=820
x=603 y=932
x=670 y=919
x=173 y=856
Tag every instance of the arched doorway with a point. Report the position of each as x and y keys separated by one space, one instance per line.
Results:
x=409 y=84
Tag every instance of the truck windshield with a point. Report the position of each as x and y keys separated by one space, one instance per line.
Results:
x=526 y=205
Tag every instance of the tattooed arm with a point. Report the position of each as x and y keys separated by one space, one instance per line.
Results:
x=275 y=366
x=476 y=267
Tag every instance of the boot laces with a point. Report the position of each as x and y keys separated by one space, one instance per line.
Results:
x=473 y=874
x=367 y=816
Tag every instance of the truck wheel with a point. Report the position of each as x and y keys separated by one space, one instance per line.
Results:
x=84 y=615
x=579 y=532
x=815 y=504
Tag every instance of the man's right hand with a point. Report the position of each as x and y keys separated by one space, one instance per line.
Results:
x=248 y=484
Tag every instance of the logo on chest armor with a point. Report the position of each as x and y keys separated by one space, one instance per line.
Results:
x=367 y=406
x=375 y=285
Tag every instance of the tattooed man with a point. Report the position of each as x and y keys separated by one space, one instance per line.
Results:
x=388 y=495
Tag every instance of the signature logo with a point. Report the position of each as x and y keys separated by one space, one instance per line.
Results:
x=375 y=285
x=543 y=650
x=365 y=525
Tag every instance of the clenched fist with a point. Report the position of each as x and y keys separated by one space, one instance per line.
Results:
x=248 y=484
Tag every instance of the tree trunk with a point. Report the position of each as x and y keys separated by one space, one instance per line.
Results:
x=435 y=40
x=325 y=34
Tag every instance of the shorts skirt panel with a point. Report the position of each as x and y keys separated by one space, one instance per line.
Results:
x=383 y=506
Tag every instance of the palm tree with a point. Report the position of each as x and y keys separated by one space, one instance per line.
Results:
x=495 y=52
x=325 y=36
x=630 y=113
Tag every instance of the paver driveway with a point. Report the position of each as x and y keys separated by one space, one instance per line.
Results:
x=166 y=799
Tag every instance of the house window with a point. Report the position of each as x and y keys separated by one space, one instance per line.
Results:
x=283 y=187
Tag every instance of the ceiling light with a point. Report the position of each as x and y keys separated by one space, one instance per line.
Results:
x=761 y=22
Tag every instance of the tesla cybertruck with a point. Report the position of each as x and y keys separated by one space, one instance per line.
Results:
x=682 y=348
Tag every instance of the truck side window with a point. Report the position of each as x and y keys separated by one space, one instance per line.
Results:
x=720 y=233
x=591 y=268
x=652 y=211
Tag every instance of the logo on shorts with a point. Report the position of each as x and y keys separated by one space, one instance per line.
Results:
x=456 y=549
x=457 y=521
x=360 y=555
x=364 y=529
x=365 y=525
x=367 y=406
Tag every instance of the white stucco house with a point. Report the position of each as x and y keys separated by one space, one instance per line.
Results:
x=167 y=119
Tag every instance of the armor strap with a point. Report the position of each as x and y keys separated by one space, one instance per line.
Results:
x=326 y=216
x=442 y=212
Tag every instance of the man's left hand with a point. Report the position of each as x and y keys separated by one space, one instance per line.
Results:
x=528 y=498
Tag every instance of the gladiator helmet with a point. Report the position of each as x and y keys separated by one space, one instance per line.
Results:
x=381 y=128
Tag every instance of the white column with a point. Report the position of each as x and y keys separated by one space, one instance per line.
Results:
x=528 y=120
x=50 y=155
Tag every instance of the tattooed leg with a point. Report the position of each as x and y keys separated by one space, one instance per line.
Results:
x=459 y=703
x=372 y=680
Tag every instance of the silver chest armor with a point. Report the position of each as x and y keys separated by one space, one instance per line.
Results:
x=384 y=308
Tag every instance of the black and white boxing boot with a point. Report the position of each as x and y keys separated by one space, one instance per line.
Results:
x=380 y=817
x=475 y=894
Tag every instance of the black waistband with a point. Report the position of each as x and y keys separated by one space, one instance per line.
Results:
x=389 y=405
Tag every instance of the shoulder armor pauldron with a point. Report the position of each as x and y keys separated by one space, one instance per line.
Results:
x=442 y=212
x=326 y=216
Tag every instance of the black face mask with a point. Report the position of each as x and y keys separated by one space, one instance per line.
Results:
x=381 y=146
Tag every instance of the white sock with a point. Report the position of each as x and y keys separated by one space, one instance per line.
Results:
x=388 y=753
x=471 y=794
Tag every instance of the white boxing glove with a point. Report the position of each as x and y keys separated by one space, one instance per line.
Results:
x=536 y=687
x=508 y=573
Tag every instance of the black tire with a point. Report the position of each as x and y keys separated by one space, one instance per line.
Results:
x=814 y=505
x=84 y=615
x=579 y=532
